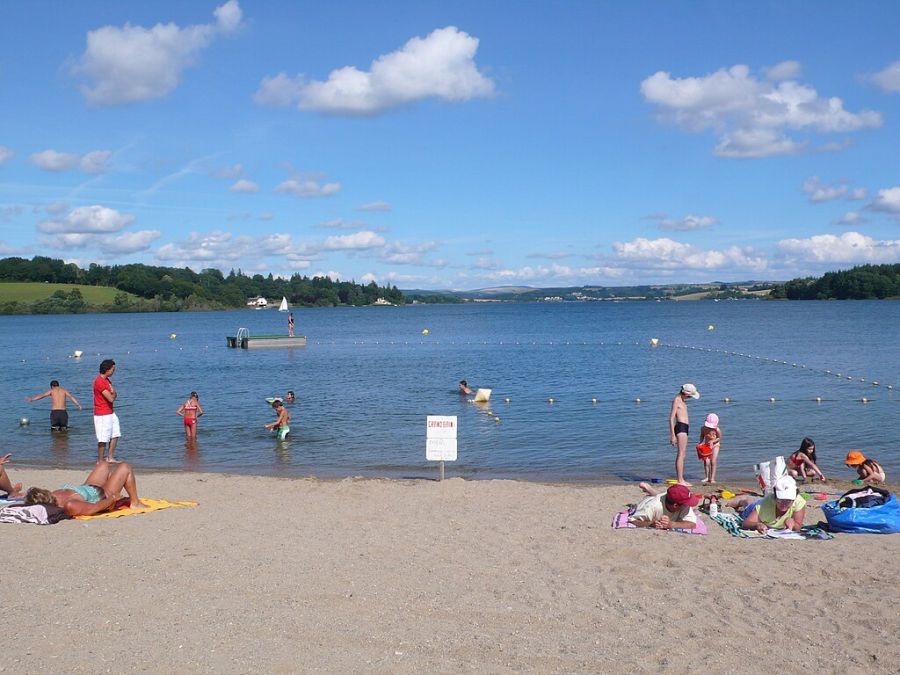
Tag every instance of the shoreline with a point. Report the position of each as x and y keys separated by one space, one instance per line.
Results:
x=297 y=574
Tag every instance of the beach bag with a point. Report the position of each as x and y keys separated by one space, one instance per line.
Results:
x=863 y=498
x=768 y=472
x=880 y=519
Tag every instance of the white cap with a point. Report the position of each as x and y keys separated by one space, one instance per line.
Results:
x=786 y=488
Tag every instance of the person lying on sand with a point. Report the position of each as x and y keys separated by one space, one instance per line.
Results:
x=99 y=492
x=782 y=509
x=666 y=511
x=6 y=484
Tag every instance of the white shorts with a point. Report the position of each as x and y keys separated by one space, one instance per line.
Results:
x=106 y=427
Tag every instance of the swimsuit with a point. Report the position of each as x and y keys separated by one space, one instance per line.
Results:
x=681 y=428
x=282 y=432
x=89 y=493
x=192 y=420
x=59 y=419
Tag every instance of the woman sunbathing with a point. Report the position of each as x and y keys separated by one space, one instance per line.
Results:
x=782 y=509
x=99 y=492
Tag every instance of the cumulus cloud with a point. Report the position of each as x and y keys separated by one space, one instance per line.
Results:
x=440 y=65
x=215 y=246
x=245 y=186
x=685 y=224
x=889 y=78
x=365 y=239
x=786 y=70
x=818 y=192
x=397 y=253
x=129 y=64
x=55 y=161
x=374 y=206
x=306 y=188
x=6 y=154
x=129 y=242
x=751 y=116
x=88 y=220
x=668 y=254
x=887 y=201
x=850 y=247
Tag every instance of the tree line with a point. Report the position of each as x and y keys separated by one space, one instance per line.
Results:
x=175 y=289
x=858 y=283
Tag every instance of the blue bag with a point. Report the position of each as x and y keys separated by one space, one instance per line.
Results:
x=882 y=519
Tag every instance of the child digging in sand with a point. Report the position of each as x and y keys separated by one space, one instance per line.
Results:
x=869 y=470
x=708 y=447
x=802 y=464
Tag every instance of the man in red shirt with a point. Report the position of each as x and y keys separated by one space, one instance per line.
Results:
x=106 y=423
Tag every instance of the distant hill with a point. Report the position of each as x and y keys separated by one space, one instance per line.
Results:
x=710 y=291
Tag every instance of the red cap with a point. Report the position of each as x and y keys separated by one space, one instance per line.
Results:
x=679 y=495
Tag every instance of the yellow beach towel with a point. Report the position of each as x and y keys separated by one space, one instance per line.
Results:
x=152 y=505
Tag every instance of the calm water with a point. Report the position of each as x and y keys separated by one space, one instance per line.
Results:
x=369 y=377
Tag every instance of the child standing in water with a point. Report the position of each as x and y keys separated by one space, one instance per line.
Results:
x=281 y=426
x=708 y=447
x=190 y=410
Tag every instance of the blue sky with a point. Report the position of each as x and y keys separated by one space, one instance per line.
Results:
x=454 y=145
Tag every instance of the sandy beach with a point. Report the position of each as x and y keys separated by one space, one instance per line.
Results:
x=297 y=575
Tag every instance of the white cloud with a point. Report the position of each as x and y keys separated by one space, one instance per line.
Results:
x=6 y=249
x=229 y=172
x=306 y=188
x=818 y=192
x=129 y=242
x=340 y=224
x=6 y=154
x=374 y=206
x=686 y=224
x=668 y=254
x=850 y=218
x=53 y=160
x=550 y=255
x=88 y=219
x=786 y=70
x=131 y=63
x=215 y=246
x=365 y=239
x=887 y=201
x=850 y=247
x=751 y=116
x=245 y=186
x=889 y=78
x=855 y=194
x=397 y=253
x=440 y=65
x=368 y=277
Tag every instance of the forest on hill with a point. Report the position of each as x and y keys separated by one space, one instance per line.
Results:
x=864 y=282
x=148 y=288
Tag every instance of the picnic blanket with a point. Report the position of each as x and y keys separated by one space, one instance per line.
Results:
x=620 y=521
x=731 y=523
x=125 y=510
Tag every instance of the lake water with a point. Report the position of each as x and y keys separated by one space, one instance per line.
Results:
x=369 y=377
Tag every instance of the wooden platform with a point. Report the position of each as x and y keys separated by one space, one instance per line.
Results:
x=265 y=341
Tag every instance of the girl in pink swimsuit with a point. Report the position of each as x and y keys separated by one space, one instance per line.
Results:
x=190 y=411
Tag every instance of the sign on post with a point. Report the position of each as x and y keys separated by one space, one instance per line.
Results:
x=440 y=438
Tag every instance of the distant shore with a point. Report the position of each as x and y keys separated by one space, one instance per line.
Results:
x=272 y=574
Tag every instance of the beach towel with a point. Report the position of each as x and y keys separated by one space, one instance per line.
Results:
x=36 y=514
x=731 y=523
x=125 y=510
x=620 y=521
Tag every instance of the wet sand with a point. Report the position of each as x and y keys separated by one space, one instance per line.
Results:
x=289 y=575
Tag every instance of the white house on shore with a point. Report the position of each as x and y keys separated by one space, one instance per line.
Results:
x=257 y=302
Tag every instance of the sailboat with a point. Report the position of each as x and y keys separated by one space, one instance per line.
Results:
x=283 y=307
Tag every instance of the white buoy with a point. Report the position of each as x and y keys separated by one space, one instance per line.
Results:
x=726 y=400
x=172 y=336
x=890 y=386
x=874 y=383
x=593 y=400
x=828 y=372
x=506 y=400
x=654 y=342
x=864 y=400
x=771 y=399
x=77 y=353
x=497 y=420
x=862 y=379
x=818 y=399
x=23 y=422
x=550 y=400
x=637 y=400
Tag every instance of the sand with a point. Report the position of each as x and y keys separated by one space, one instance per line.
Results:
x=298 y=575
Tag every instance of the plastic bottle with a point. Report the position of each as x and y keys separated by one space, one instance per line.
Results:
x=713 y=507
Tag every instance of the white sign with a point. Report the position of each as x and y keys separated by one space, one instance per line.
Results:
x=440 y=438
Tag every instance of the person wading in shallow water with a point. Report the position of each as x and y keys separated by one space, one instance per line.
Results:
x=59 y=417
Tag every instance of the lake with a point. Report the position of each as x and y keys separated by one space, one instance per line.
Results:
x=369 y=377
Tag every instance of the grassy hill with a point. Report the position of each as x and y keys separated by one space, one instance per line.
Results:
x=27 y=292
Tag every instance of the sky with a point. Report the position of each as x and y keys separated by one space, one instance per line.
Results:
x=454 y=145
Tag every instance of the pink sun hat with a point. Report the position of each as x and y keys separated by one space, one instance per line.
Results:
x=712 y=421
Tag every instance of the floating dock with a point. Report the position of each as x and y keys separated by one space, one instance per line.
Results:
x=243 y=340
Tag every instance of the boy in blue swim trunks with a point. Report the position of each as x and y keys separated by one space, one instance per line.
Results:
x=99 y=492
